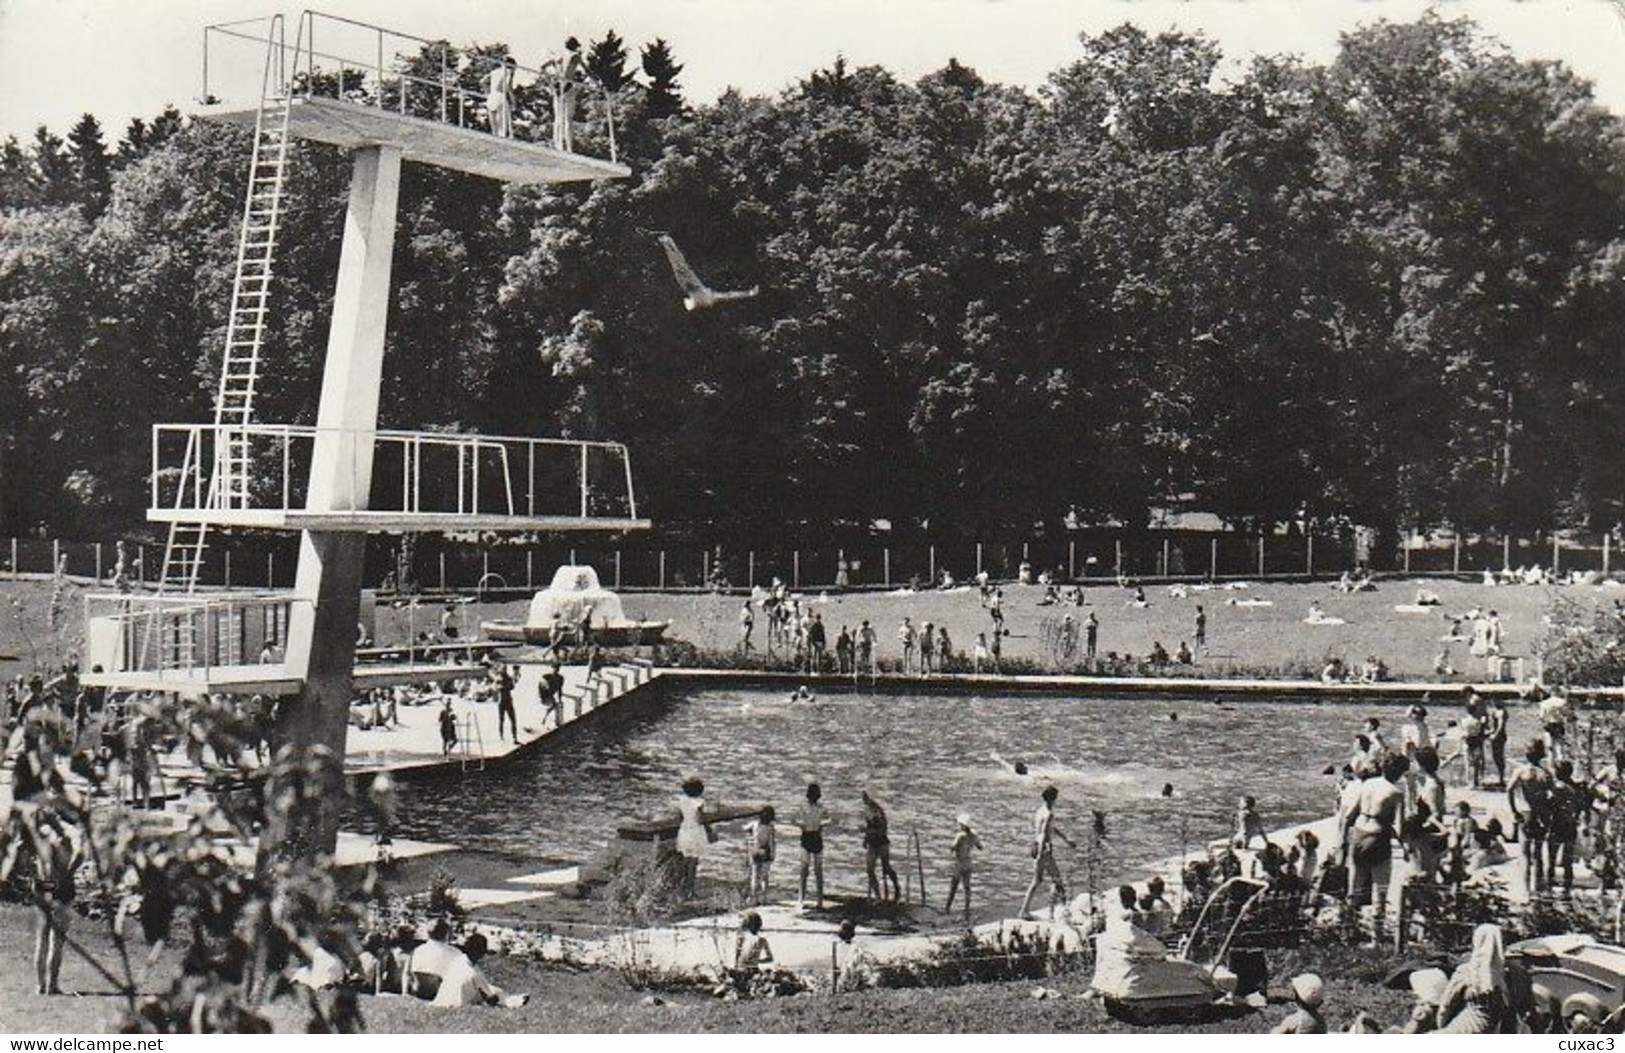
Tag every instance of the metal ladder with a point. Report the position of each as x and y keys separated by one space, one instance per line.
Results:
x=246 y=324
x=472 y=742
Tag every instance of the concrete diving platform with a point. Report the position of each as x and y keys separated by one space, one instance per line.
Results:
x=352 y=126
x=270 y=679
x=383 y=521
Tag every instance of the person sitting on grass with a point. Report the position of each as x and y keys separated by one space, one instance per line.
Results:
x=1306 y=1019
x=1158 y=656
x=442 y=975
x=854 y=969
x=1183 y=655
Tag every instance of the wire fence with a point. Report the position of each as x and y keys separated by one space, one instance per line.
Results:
x=434 y=563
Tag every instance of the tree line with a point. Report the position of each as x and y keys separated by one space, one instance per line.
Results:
x=1381 y=290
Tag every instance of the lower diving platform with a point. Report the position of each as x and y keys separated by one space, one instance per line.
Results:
x=258 y=476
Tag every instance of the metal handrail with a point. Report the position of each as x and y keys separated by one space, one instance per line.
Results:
x=469 y=448
x=306 y=54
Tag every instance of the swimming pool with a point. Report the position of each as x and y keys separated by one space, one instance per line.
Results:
x=926 y=758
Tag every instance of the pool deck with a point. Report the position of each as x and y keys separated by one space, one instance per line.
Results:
x=413 y=749
x=1394 y=691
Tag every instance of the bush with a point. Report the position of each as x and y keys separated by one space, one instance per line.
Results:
x=1584 y=645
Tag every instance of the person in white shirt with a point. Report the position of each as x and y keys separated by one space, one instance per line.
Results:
x=441 y=974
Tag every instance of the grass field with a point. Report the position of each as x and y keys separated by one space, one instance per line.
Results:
x=1271 y=640
x=602 y=1001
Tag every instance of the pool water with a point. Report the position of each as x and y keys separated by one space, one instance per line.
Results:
x=926 y=758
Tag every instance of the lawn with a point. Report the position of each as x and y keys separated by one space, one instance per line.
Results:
x=567 y=1000
x=1271 y=640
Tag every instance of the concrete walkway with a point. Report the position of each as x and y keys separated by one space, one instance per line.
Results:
x=414 y=747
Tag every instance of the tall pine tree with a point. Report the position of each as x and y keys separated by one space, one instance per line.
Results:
x=92 y=168
x=606 y=62
x=664 y=97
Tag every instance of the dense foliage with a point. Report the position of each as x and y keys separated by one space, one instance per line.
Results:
x=1386 y=289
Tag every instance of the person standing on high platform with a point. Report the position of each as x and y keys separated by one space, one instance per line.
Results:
x=499 y=98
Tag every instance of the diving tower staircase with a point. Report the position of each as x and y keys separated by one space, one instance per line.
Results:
x=342 y=478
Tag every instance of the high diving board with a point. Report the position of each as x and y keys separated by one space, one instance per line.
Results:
x=353 y=126
x=270 y=679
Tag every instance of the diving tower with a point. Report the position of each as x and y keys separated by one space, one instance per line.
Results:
x=342 y=478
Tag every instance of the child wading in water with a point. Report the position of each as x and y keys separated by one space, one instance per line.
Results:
x=965 y=843
x=763 y=847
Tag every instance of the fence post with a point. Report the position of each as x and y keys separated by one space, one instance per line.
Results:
x=530 y=569
x=885 y=566
x=662 y=562
x=140 y=558
x=931 y=563
x=228 y=568
x=1166 y=562
x=1405 y=553
x=1261 y=555
x=1557 y=546
x=1455 y=556
x=485 y=566
x=1309 y=555
x=1072 y=559
x=442 y=572
x=1605 y=539
x=978 y=557
x=1506 y=551
x=795 y=568
x=270 y=571
x=750 y=569
x=56 y=554
x=1213 y=557
x=617 y=568
x=1025 y=558
x=1119 y=560
x=705 y=566
x=98 y=561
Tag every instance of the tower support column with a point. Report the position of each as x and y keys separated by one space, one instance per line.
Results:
x=322 y=626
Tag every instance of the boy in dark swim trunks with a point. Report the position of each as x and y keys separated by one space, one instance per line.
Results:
x=1533 y=783
x=813 y=818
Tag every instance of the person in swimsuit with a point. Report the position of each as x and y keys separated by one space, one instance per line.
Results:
x=965 y=844
x=1495 y=729
x=506 y=717
x=764 y=845
x=1471 y=726
x=1045 y=832
x=877 y=850
x=1554 y=723
x=499 y=97
x=1533 y=783
x=813 y=819
x=58 y=849
x=1569 y=803
x=1372 y=825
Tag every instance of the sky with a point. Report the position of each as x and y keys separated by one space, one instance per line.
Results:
x=123 y=58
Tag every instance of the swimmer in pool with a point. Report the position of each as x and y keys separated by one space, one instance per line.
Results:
x=1016 y=768
x=803 y=694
